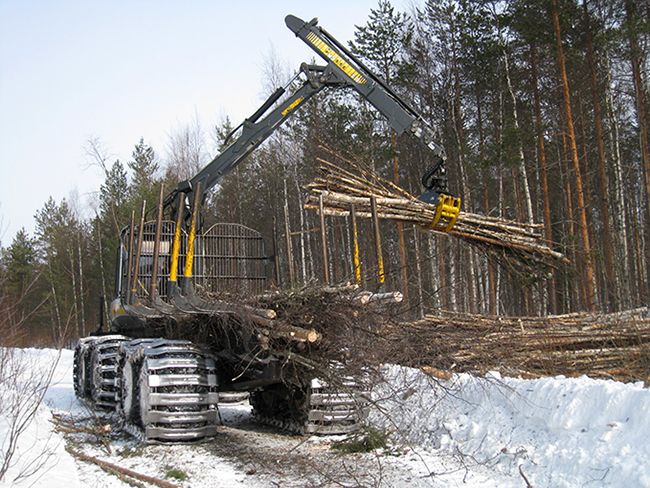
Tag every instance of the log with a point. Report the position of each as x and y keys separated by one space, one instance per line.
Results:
x=282 y=329
x=110 y=467
x=369 y=297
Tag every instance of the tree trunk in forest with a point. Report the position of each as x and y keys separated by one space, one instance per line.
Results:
x=400 y=228
x=619 y=204
x=577 y=291
x=102 y=271
x=287 y=235
x=585 y=172
x=528 y=202
x=460 y=137
x=303 y=229
x=75 y=304
x=608 y=250
x=491 y=279
x=434 y=269
x=543 y=173
x=81 y=286
x=590 y=290
x=57 y=315
x=418 y=271
x=443 y=275
x=638 y=61
x=638 y=288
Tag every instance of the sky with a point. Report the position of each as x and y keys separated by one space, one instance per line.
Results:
x=122 y=70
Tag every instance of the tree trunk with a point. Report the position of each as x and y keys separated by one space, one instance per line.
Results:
x=638 y=61
x=102 y=271
x=543 y=174
x=81 y=286
x=418 y=271
x=436 y=275
x=608 y=251
x=75 y=302
x=528 y=202
x=400 y=229
x=619 y=204
x=492 y=293
x=590 y=290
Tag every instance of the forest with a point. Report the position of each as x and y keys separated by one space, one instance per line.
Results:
x=543 y=107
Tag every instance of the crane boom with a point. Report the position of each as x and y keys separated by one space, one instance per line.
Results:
x=343 y=70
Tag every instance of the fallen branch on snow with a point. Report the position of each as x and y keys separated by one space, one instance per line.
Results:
x=114 y=468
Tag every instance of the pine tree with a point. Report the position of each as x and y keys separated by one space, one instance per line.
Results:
x=144 y=167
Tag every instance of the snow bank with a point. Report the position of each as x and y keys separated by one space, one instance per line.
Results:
x=562 y=432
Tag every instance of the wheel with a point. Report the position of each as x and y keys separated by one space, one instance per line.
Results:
x=168 y=390
x=101 y=371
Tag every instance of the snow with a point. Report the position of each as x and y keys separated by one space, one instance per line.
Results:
x=563 y=432
x=40 y=450
x=465 y=431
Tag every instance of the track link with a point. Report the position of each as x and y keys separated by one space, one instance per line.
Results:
x=317 y=409
x=96 y=373
x=169 y=390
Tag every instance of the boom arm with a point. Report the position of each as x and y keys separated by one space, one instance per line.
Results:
x=343 y=70
x=399 y=113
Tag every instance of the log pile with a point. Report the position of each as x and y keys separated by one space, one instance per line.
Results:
x=515 y=245
x=610 y=346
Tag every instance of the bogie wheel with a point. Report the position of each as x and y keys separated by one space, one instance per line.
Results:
x=130 y=365
x=101 y=371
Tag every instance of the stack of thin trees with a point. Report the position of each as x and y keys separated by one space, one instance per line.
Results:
x=518 y=246
x=609 y=346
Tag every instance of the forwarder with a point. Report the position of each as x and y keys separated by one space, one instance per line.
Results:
x=171 y=352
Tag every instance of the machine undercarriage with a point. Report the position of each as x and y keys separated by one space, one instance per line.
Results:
x=168 y=390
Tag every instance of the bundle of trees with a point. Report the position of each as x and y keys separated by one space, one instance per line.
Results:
x=516 y=246
x=542 y=106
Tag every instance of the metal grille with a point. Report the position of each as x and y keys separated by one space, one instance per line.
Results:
x=227 y=258
x=231 y=257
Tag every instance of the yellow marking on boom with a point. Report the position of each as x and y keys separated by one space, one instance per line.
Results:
x=334 y=56
x=292 y=106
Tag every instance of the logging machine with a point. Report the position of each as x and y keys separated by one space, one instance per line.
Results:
x=171 y=353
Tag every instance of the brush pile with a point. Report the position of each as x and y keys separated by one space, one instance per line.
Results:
x=313 y=324
x=517 y=246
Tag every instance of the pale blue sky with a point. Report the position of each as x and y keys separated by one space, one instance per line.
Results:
x=120 y=70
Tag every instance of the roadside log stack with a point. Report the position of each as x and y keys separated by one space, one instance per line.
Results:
x=608 y=346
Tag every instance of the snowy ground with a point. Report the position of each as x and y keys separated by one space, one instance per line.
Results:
x=466 y=431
